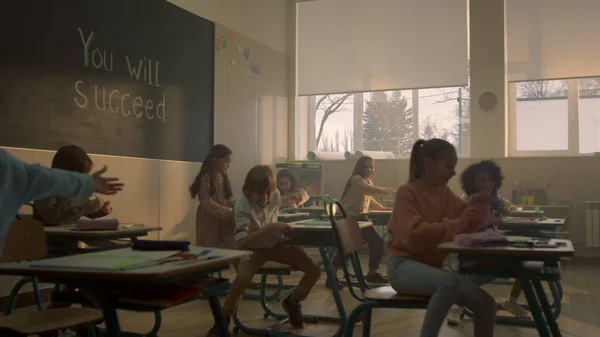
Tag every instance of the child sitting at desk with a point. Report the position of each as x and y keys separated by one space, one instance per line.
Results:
x=426 y=214
x=21 y=182
x=357 y=199
x=214 y=218
x=257 y=229
x=480 y=177
x=292 y=195
x=58 y=210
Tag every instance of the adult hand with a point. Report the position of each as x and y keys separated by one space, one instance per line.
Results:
x=108 y=186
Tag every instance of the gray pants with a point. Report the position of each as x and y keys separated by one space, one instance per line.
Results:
x=444 y=288
x=375 y=243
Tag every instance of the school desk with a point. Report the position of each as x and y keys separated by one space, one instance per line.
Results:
x=517 y=262
x=106 y=287
x=292 y=217
x=69 y=238
x=309 y=233
x=532 y=227
x=526 y=213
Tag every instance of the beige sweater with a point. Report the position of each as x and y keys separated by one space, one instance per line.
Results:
x=359 y=198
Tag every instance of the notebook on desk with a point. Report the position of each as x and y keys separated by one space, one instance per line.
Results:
x=116 y=260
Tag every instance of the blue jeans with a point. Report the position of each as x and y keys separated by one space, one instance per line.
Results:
x=410 y=277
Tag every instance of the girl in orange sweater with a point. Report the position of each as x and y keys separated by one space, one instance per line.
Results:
x=426 y=214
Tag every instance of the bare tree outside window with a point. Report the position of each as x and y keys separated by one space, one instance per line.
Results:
x=328 y=105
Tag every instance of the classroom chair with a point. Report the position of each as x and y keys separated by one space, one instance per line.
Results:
x=349 y=241
x=30 y=233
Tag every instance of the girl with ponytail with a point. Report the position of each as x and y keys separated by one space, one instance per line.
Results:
x=426 y=214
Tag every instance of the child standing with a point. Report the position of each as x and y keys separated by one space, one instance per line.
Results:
x=257 y=229
x=292 y=195
x=357 y=199
x=214 y=218
x=21 y=182
x=65 y=210
x=426 y=214
x=483 y=176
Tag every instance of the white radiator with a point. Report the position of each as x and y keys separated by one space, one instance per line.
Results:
x=592 y=223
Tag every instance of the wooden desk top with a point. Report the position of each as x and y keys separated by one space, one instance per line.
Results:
x=565 y=249
x=516 y=221
x=292 y=215
x=124 y=231
x=526 y=213
x=318 y=225
x=59 y=267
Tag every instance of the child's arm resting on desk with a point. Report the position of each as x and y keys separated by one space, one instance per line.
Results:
x=32 y=181
x=374 y=205
x=246 y=239
x=359 y=183
x=58 y=210
x=417 y=235
x=209 y=203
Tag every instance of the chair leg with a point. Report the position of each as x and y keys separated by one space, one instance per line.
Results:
x=351 y=320
x=366 y=332
x=12 y=299
x=36 y=293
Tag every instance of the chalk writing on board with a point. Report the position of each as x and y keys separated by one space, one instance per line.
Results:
x=106 y=99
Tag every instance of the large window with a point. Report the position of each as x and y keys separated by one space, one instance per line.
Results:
x=554 y=117
x=389 y=121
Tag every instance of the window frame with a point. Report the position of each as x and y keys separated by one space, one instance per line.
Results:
x=572 y=117
x=358 y=122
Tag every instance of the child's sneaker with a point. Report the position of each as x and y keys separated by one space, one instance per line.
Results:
x=293 y=308
x=376 y=278
x=515 y=308
x=454 y=315
x=214 y=331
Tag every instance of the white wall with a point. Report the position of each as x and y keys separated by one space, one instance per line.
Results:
x=262 y=20
x=156 y=191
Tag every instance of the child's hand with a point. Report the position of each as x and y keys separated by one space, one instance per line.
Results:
x=98 y=203
x=469 y=215
x=391 y=190
x=280 y=227
x=495 y=222
x=107 y=208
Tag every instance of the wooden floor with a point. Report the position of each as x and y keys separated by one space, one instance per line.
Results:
x=580 y=315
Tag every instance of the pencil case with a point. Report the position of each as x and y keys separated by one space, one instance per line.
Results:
x=161 y=245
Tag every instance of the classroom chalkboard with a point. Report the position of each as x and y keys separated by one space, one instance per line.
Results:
x=130 y=78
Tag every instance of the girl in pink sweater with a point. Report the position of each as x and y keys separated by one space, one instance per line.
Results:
x=426 y=214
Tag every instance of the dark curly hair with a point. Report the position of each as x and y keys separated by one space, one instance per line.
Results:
x=468 y=176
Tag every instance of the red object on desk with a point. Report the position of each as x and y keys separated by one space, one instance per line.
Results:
x=178 y=257
x=170 y=294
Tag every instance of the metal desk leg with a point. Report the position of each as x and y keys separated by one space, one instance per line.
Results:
x=541 y=294
x=111 y=321
x=335 y=291
x=215 y=307
x=536 y=311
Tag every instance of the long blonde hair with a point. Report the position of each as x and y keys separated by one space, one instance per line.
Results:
x=359 y=168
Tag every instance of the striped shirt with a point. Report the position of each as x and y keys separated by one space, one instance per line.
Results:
x=251 y=218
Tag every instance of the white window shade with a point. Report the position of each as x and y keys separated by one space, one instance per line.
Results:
x=372 y=45
x=552 y=39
